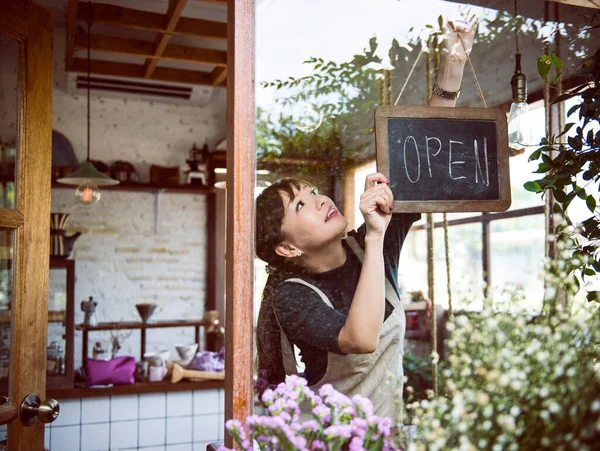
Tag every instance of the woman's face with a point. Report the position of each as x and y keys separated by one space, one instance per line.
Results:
x=311 y=220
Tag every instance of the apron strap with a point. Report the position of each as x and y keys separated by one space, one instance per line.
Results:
x=290 y=364
x=390 y=293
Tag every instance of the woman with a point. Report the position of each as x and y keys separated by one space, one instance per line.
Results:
x=336 y=298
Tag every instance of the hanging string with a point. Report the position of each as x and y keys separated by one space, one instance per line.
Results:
x=89 y=45
x=382 y=89
x=430 y=257
x=517 y=26
x=481 y=96
x=412 y=69
x=447 y=250
x=388 y=87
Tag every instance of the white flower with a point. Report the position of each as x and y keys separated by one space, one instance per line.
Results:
x=596 y=405
x=486 y=425
x=488 y=411
x=516 y=385
x=435 y=358
x=482 y=398
x=544 y=392
x=515 y=411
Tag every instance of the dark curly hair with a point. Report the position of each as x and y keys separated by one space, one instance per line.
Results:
x=270 y=212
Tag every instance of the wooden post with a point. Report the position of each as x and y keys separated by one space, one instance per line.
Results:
x=240 y=211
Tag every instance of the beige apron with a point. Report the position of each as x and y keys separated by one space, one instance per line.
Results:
x=378 y=375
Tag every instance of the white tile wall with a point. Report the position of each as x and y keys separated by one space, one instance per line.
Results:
x=179 y=430
x=175 y=421
x=124 y=435
x=124 y=408
x=179 y=404
x=65 y=438
x=95 y=410
x=153 y=406
x=152 y=432
x=95 y=437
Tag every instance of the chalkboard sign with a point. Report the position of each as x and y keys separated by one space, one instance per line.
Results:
x=444 y=159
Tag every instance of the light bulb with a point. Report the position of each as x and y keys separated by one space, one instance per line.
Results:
x=87 y=194
x=519 y=134
x=306 y=117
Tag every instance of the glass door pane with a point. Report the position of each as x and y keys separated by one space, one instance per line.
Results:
x=6 y=298
x=9 y=118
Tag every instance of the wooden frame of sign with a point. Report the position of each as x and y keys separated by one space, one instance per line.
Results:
x=444 y=159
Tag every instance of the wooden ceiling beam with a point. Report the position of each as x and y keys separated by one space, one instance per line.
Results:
x=127 y=70
x=132 y=47
x=143 y=20
x=219 y=75
x=71 y=29
x=583 y=3
x=160 y=43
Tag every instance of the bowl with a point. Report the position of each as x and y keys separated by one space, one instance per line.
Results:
x=146 y=310
x=186 y=351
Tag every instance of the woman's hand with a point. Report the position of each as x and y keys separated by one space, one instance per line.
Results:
x=376 y=204
x=458 y=42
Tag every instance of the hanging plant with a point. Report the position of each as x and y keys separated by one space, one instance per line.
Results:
x=570 y=164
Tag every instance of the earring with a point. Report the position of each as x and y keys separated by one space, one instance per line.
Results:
x=299 y=254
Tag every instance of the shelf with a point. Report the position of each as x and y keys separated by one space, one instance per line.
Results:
x=149 y=187
x=134 y=389
x=118 y=325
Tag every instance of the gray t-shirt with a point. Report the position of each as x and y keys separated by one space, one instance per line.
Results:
x=311 y=324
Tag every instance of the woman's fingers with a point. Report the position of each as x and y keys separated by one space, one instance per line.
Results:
x=374 y=179
x=378 y=196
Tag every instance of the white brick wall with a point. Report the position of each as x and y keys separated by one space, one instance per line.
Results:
x=121 y=260
x=131 y=251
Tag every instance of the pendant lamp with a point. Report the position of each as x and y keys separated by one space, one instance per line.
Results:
x=519 y=132
x=87 y=178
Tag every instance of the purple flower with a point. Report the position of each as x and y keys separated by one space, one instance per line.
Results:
x=363 y=405
x=318 y=444
x=310 y=425
x=268 y=397
x=322 y=413
x=356 y=444
x=339 y=431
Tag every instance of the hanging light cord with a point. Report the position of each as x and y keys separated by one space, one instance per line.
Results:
x=89 y=45
x=517 y=25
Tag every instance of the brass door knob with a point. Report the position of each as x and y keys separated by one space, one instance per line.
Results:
x=32 y=407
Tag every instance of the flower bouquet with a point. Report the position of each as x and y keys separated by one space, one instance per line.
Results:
x=334 y=421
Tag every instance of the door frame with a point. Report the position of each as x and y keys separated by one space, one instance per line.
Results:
x=239 y=369
x=32 y=27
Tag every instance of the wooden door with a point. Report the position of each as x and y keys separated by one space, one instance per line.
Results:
x=25 y=170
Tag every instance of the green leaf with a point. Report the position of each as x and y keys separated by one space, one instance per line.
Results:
x=560 y=196
x=588 y=175
x=593 y=296
x=546 y=159
x=535 y=155
x=544 y=65
x=589 y=272
x=573 y=109
x=556 y=61
x=574 y=142
x=557 y=209
x=543 y=167
x=533 y=187
x=591 y=203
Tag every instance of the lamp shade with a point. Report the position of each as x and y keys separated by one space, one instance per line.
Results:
x=87 y=173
